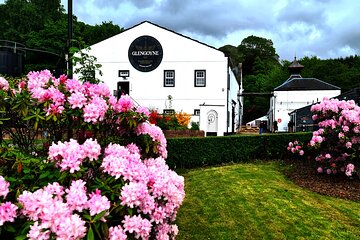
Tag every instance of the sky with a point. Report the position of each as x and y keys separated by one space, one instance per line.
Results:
x=322 y=28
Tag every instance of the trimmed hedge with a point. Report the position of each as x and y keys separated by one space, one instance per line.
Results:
x=209 y=151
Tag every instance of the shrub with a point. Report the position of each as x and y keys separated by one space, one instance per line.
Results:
x=88 y=187
x=338 y=139
x=336 y=145
x=211 y=151
x=174 y=121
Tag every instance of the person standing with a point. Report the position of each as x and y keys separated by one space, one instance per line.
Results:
x=262 y=126
x=291 y=126
x=275 y=129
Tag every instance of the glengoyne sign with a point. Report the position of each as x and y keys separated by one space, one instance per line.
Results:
x=145 y=53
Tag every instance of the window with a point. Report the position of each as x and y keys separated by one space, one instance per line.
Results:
x=169 y=78
x=197 y=112
x=200 y=78
x=169 y=111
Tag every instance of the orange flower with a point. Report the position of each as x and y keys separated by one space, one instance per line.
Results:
x=183 y=118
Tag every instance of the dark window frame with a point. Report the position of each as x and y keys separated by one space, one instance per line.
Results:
x=169 y=111
x=165 y=85
x=195 y=78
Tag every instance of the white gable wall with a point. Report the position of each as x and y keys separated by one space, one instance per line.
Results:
x=184 y=56
x=288 y=101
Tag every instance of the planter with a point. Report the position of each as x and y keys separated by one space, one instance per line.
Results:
x=183 y=133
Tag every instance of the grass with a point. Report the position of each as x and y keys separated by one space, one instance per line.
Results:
x=256 y=201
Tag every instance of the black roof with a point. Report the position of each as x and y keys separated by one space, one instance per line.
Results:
x=353 y=94
x=297 y=83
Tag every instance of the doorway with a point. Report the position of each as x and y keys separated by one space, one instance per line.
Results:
x=123 y=88
x=212 y=123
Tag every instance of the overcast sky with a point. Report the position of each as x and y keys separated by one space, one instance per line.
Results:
x=322 y=28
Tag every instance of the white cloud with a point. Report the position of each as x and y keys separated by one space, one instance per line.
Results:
x=323 y=28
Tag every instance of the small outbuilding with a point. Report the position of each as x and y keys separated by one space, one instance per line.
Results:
x=295 y=93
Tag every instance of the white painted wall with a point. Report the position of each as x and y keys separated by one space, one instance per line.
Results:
x=181 y=54
x=287 y=101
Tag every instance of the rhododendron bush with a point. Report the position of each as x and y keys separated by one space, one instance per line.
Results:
x=335 y=146
x=85 y=188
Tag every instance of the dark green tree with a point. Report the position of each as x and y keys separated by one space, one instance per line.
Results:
x=254 y=47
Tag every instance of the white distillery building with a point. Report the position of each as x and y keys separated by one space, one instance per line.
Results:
x=164 y=70
x=297 y=92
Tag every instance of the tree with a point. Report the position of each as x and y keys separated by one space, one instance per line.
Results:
x=98 y=33
x=41 y=25
x=253 y=47
x=233 y=53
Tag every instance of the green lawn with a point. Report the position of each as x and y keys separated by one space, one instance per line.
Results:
x=256 y=201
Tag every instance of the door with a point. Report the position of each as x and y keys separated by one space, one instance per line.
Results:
x=212 y=122
x=122 y=88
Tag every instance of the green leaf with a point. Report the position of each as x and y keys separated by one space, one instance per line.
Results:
x=104 y=229
x=44 y=175
x=21 y=237
x=100 y=215
x=48 y=117
x=9 y=228
x=10 y=179
x=90 y=234
x=28 y=118
x=87 y=216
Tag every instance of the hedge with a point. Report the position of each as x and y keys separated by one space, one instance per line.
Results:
x=210 y=151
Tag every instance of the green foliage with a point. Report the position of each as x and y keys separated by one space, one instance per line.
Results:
x=195 y=126
x=42 y=26
x=262 y=71
x=85 y=64
x=194 y=152
x=24 y=171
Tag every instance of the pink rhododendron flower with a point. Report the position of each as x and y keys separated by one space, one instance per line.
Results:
x=166 y=231
x=98 y=203
x=319 y=170
x=156 y=134
x=143 y=110
x=91 y=149
x=73 y=85
x=125 y=103
x=349 y=169
x=133 y=194
x=72 y=227
x=4 y=187
x=4 y=84
x=102 y=90
x=38 y=232
x=77 y=100
x=95 y=110
x=139 y=226
x=117 y=233
x=76 y=197
x=7 y=212
x=54 y=110
x=38 y=79
x=68 y=155
x=120 y=162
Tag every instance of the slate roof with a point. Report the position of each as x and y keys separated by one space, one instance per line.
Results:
x=353 y=94
x=297 y=83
